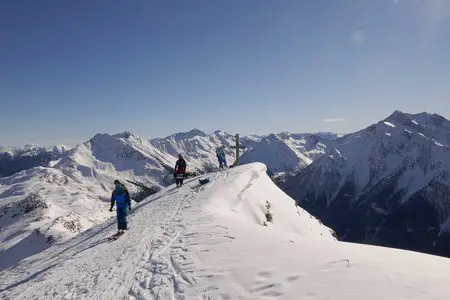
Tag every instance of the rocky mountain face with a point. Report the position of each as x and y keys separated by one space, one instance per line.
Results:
x=388 y=184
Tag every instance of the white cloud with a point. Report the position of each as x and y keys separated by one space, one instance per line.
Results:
x=358 y=37
x=332 y=120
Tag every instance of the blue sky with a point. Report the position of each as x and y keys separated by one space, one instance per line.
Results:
x=70 y=69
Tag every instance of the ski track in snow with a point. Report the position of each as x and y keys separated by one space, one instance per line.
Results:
x=150 y=269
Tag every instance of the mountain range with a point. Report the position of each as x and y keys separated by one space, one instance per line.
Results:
x=385 y=185
x=388 y=184
x=16 y=159
x=68 y=192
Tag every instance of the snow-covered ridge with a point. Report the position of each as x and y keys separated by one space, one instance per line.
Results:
x=397 y=170
x=209 y=241
x=16 y=159
x=287 y=152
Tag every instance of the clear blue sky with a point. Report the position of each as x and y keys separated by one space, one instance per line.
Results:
x=70 y=69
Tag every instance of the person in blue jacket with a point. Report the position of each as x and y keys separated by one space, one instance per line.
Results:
x=121 y=197
x=220 y=153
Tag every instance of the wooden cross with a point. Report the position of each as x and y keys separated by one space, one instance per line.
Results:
x=237 y=147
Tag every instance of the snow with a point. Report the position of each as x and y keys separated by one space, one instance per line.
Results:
x=429 y=125
x=275 y=153
x=438 y=144
x=53 y=163
x=422 y=135
x=75 y=185
x=72 y=194
x=198 y=148
x=208 y=242
x=389 y=124
x=285 y=152
x=370 y=156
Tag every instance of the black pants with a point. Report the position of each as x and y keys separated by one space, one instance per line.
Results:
x=179 y=179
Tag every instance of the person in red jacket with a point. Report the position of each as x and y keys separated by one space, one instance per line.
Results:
x=180 y=170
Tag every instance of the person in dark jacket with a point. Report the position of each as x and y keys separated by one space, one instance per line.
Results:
x=180 y=170
x=121 y=197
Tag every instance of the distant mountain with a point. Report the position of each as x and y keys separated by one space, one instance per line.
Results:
x=287 y=152
x=16 y=159
x=198 y=148
x=388 y=184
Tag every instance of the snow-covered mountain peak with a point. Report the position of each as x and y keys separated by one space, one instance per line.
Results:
x=284 y=152
x=428 y=124
x=272 y=138
x=384 y=172
x=180 y=136
x=126 y=135
x=59 y=149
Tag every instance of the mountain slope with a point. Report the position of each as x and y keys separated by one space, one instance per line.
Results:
x=388 y=184
x=199 y=149
x=286 y=152
x=201 y=242
x=43 y=206
x=13 y=160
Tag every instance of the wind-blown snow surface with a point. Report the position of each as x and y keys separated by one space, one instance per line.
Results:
x=207 y=241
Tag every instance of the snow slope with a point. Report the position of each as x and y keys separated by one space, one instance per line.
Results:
x=199 y=148
x=287 y=152
x=207 y=242
x=14 y=159
x=42 y=206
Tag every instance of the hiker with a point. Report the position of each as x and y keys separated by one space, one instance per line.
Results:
x=180 y=170
x=220 y=153
x=121 y=197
